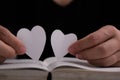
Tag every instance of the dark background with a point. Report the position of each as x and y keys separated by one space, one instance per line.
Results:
x=80 y=17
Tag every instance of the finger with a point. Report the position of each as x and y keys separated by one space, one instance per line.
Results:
x=2 y=59
x=105 y=62
x=93 y=39
x=101 y=51
x=6 y=51
x=117 y=64
x=118 y=57
x=10 y=39
x=113 y=60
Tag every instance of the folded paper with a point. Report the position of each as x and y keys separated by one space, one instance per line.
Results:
x=35 y=40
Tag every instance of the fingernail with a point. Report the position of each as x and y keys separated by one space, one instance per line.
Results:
x=71 y=50
x=22 y=50
x=78 y=56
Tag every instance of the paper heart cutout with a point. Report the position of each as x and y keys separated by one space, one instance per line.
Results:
x=63 y=3
x=61 y=42
x=34 y=41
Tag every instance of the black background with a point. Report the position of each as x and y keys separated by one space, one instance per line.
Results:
x=80 y=17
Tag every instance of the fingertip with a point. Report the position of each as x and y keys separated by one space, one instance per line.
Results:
x=78 y=56
x=72 y=50
x=21 y=51
x=2 y=59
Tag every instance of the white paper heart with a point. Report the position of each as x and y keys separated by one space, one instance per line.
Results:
x=61 y=42
x=34 y=41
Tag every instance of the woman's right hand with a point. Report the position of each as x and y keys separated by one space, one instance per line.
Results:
x=10 y=46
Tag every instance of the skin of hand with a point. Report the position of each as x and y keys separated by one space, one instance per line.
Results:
x=10 y=46
x=100 y=48
x=63 y=3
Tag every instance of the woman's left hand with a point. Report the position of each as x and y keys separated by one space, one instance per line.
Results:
x=100 y=48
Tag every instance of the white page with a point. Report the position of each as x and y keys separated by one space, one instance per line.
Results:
x=51 y=63
x=77 y=63
x=23 y=64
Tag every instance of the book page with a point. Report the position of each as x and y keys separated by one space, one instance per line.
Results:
x=77 y=63
x=23 y=64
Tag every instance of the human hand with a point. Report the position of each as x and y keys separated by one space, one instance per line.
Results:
x=10 y=46
x=100 y=48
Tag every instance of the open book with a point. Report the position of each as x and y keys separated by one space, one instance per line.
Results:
x=52 y=63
